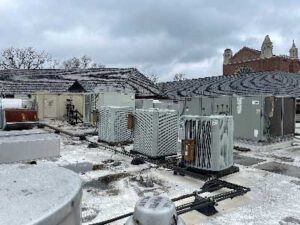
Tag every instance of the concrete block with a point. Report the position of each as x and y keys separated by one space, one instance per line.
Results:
x=27 y=146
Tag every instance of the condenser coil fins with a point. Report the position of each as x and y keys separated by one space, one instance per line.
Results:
x=114 y=125
x=156 y=132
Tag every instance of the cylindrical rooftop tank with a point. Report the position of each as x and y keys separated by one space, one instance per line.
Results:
x=11 y=103
x=156 y=210
x=39 y=194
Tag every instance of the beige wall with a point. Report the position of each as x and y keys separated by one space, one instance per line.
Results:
x=53 y=106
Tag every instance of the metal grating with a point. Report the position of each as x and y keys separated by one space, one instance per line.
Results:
x=213 y=137
x=113 y=124
x=156 y=132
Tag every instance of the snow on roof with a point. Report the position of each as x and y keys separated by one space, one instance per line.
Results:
x=274 y=83
x=58 y=80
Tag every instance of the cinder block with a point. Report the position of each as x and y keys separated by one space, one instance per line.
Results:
x=28 y=146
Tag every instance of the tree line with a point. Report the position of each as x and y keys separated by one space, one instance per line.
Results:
x=30 y=58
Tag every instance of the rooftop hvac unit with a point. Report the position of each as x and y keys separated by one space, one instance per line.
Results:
x=196 y=106
x=263 y=118
x=158 y=104
x=116 y=97
x=156 y=132
x=207 y=142
x=115 y=124
x=222 y=105
x=91 y=109
x=143 y=103
x=206 y=106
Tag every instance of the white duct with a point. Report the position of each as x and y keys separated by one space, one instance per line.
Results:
x=11 y=103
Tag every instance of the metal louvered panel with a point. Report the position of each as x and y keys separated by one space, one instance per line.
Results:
x=113 y=124
x=156 y=132
x=213 y=141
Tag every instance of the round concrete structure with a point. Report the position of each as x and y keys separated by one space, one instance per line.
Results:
x=39 y=194
x=156 y=210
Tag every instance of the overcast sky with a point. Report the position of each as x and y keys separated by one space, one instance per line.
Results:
x=160 y=37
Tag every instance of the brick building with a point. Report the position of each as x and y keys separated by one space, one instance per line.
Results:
x=251 y=60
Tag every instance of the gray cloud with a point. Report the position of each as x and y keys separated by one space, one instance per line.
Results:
x=162 y=37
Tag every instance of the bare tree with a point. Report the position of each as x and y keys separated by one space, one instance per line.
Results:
x=179 y=77
x=73 y=63
x=80 y=63
x=29 y=58
x=97 y=65
x=153 y=78
x=85 y=61
x=23 y=58
x=54 y=64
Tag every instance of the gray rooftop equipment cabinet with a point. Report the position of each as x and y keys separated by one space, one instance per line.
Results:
x=158 y=104
x=206 y=106
x=190 y=106
x=196 y=106
x=91 y=108
x=155 y=132
x=112 y=96
x=207 y=142
x=222 y=105
x=263 y=118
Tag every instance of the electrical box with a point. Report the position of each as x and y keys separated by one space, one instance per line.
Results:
x=188 y=148
x=114 y=124
x=207 y=142
x=155 y=132
x=130 y=121
x=263 y=118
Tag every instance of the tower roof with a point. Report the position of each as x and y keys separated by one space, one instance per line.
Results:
x=293 y=45
x=267 y=39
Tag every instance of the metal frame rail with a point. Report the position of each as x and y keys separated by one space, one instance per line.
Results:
x=203 y=205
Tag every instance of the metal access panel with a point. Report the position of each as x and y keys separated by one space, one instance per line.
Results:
x=90 y=108
x=248 y=118
x=280 y=116
x=190 y=106
x=87 y=108
x=274 y=113
x=222 y=105
x=50 y=105
x=113 y=124
x=155 y=132
x=206 y=106
x=289 y=115
x=207 y=142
